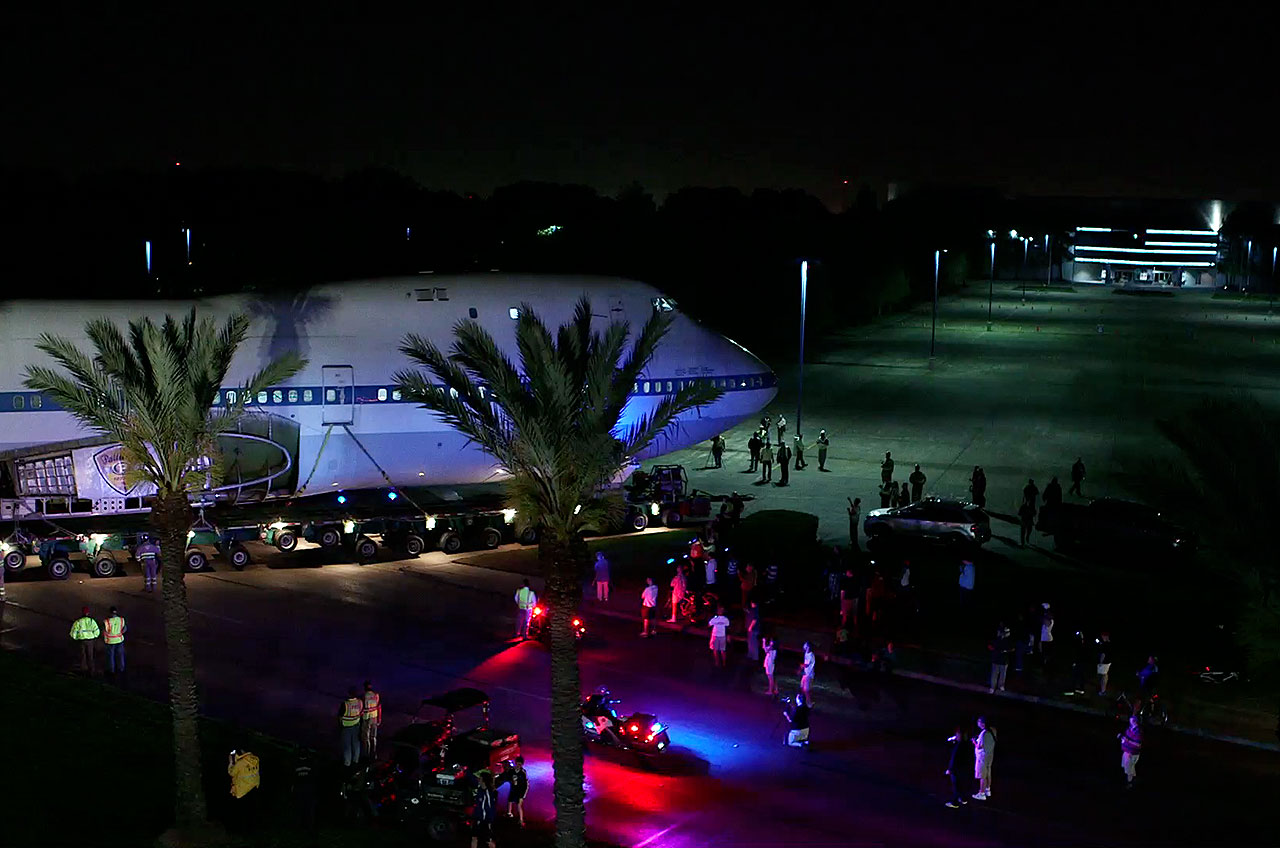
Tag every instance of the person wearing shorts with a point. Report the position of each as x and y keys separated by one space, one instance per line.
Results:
x=719 y=625
x=648 y=606
x=807 y=668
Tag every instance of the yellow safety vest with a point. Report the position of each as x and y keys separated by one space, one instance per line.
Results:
x=351 y=712
x=244 y=773
x=84 y=628
x=113 y=630
x=525 y=598
x=372 y=707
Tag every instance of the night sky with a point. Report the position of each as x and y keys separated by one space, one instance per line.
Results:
x=1084 y=103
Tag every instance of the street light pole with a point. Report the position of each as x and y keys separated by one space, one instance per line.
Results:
x=1048 y=260
x=1026 y=240
x=933 y=329
x=804 y=296
x=991 y=281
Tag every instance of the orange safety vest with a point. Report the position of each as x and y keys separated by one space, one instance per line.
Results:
x=372 y=707
x=113 y=630
x=351 y=708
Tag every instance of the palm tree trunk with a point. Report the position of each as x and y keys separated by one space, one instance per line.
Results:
x=563 y=560
x=171 y=517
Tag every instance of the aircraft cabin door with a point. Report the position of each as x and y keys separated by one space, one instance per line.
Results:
x=339 y=394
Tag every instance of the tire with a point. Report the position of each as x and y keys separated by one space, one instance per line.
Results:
x=59 y=568
x=239 y=557
x=413 y=546
x=490 y=538
x=286 y=541
x=442 y=828
x=330 y=537
x=529 y=536
x=104 y=567
x=15 y=561
x=639 y=521
x=450 y=542
x=672 y=518
x=366 y=550
x=196 y=561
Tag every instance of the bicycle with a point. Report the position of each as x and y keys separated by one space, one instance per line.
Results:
x=1210 y=675
x=1151 y=710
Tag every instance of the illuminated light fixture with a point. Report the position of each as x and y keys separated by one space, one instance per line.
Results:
x=1181 y=232
x=1093 y=229
x=431 y=522
x=577 y=509
x=551 y=230
x=148 y=247
x=334 y=483
x=422 y=474
x=1212 y=251
x=654 y=508
x=392 y=496
x=1178 y=244
x=1143 y=262
x=509 y=516
x=991 y=233
x=102 y=537
x=655 y=727
x=277 y=525
x=1013 y=234
x=342 y=499
x=514 y=313
x=671 y=560
x=191 y=534
x=348 y=527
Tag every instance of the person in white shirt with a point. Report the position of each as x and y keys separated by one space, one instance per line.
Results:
x=770 y=662
x=719 y=625
x=648 y=605
x=679 y=584
x=984 y=754
x=711 y=566
x=807 y=667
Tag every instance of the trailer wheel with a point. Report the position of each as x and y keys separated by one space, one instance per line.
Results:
x=196 y=560
x=673 y=518
x=104 y=567
x=330 y=537
x=286 y=541
x=529 y=536
x=60 y=568
x=15 y=561
x=240 y=558
x=450 y=542
x=414 y=546
x=639 y=521
x=366 y=550
x=442 y=828
x=490 y=538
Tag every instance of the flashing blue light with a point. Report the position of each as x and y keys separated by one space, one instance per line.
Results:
x=148 y=245
x=392 y=496
x=342 y=499
x=671 y=560
x=655 y=727
x=407 y=232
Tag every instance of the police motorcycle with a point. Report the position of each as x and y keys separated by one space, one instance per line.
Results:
x=641 y=733
x=540 y=625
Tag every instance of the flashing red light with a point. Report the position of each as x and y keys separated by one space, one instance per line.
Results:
x=578 y=623
x=634 y=728
x=537 y=610
x=1206 y=668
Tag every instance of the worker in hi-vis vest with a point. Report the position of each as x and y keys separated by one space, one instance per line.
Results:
x=370 y=721
x=526 y=600
x=148 y=553
x=84 y=632
x=113 y=630
x=349 y=715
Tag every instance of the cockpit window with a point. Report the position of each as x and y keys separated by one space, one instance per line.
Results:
x=663 y=304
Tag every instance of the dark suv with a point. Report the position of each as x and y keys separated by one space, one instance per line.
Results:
x=935 y=519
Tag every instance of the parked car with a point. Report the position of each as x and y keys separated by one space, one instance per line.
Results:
x=1119 y=524
x=932 y=519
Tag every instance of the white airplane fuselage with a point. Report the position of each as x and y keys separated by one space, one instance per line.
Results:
x=350 y=421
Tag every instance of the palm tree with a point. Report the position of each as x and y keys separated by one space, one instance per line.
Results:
x=556 y=425
x=153 y=394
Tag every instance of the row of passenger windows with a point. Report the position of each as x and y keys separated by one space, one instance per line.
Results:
x=658 y=387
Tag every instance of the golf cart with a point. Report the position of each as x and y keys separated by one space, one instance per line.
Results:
x=428 y=773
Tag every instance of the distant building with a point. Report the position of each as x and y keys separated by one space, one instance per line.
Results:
x=1149 y=256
